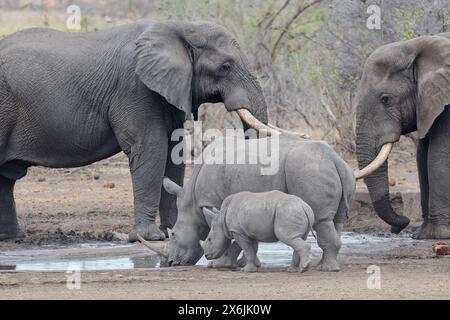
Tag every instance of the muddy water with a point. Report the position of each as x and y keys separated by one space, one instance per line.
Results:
x=113 y=256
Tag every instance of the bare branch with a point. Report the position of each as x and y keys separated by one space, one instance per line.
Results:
x=300 y=10
x=272 y=20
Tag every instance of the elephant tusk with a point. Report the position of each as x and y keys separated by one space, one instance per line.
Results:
x=159 y=249
x=269 y=129
x=301 y=135
x=246 y=116
x=375 y=164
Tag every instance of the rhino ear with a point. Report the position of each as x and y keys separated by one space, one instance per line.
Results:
x=171 y=187
x=164 y=62
x=209 y=216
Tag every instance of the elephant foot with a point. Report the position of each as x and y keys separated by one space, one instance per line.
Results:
x=12 y=234
x=328 y=266
x=432 y=231
x=150 y=232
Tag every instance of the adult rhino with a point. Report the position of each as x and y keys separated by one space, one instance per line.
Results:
x=308 y=169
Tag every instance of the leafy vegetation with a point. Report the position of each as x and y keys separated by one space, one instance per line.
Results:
x=407 y=19
x=308 y=54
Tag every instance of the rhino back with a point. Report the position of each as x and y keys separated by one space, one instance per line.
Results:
x=217 y=181
x=252 y=214
x=306 y=169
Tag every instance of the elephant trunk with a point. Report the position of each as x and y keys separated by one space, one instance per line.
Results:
x=378 y=186
x=247 y=99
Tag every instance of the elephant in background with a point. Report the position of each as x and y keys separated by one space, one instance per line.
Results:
x=405 y=87
x=71 y=99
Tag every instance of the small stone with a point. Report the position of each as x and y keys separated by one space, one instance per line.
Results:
x=392 y=182
x=96 y=176
x=109 y=185
x=40 y=179
x=441 y=248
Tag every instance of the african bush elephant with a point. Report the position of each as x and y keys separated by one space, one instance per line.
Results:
x=70 y=99
x=405 y=87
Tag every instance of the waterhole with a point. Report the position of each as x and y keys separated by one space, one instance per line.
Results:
x=113 y=256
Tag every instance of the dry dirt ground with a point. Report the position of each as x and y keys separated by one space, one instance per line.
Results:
x=402 y=278
x=60 y=207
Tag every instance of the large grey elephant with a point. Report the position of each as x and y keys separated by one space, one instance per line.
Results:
x=70 y=99
x=405 y=87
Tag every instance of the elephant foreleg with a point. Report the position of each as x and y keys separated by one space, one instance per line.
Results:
x=168 y=207
x=9 y=227
x=147 y=156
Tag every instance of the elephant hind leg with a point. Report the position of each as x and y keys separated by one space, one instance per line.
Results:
x=9 y=226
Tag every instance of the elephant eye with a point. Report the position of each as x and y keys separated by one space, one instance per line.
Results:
x=385 y=100
x=225 y=68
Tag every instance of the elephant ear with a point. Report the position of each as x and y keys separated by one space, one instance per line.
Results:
x=164 y=63
x=430 y=55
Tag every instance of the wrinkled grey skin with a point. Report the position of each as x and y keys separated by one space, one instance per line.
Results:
x=308 y=169
x=70 y=99
x=405 y=87
x=249 y=218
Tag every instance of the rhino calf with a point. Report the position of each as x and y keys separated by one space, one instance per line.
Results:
x=249 y=218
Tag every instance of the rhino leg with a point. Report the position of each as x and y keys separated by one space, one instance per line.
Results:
x=248 y=246
x=329 y=241
x=242 y=261
x=229 y=258
x=300 y=258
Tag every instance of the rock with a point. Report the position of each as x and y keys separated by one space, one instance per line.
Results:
x=96 y=176
x=441 y=248
x=109 y=185
x=40 y=179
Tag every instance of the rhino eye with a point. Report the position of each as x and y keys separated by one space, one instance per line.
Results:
x=385 y=99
